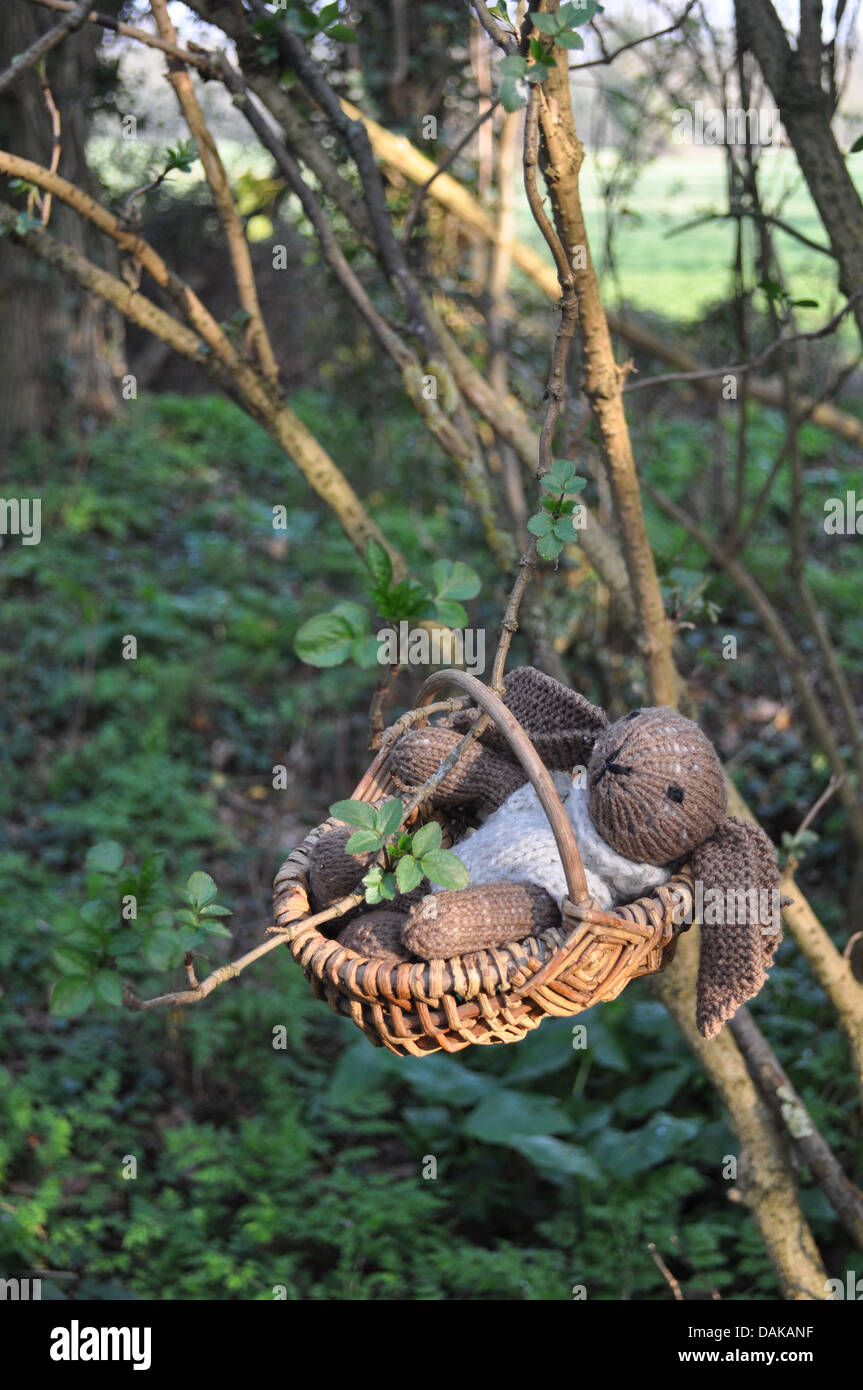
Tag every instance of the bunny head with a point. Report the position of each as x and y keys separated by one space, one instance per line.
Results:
x=655 y=786
x=657 y=794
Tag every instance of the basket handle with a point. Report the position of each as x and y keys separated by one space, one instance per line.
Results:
x=530 y=760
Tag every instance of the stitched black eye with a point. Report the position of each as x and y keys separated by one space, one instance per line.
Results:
x=674 y=793
x=634 y=715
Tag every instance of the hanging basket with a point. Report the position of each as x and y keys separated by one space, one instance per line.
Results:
x=491 y=996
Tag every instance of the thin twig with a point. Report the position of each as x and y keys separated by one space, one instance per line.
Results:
x=634 y=43
x=76 y=16
x=257 y=338
x=199 y=58
x=739 y=368
x=825 y=796
x=56 y=141
x=419 y=196
x=665 y=1271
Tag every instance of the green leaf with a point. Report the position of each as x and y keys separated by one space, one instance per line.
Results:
x=354 y=813
x=804 y=303
x=200 y=888
x=105 y=858
x=329 y=14
x=365 y=650
x=445 y=869
x=441 y=1078
x=83 y=936
x=379 y=564
x=216 y=910
x=354 y=615
x=408 y=874
x=548 y=547
x=163 y=950
x=857 y=146
x=512 y=98
x=364 y=842
x=100 y=912
x=324 y=640
x=342 y=33
x=555 y=1159
x=108 y=987
x=506 y=1114
x=772 y=289
x=538 y=73
x=454 y=579
x=72 y=961
x=539 y=51
x=389 y=817
x=562 y=477
x=216 y=929
x=570 y=40
x=651 y=1095
x=70 y=996
x=426 y=839
x=623 y=1155
x=450 y=613
x=514 y=66
x=564 y=530
x=546 y=23
x=540 y=524
x=574 y=16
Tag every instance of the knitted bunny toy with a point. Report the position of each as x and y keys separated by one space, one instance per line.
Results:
x=654 y=799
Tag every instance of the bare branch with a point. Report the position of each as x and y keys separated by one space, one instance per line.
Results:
x=217 y=178
x=741 y=368
x=40 y=47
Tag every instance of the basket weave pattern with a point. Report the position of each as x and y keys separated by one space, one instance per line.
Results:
x=492 y=996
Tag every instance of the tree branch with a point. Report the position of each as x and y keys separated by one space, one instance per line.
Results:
x=40 y=47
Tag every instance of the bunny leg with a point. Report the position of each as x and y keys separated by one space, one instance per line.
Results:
x=473 y=919
x=378 y=935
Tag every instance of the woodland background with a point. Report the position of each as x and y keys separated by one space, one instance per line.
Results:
x=299 y=1166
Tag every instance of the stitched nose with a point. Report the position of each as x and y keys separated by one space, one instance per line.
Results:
x=611 y=765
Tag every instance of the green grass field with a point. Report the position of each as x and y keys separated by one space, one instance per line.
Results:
x=681 y=275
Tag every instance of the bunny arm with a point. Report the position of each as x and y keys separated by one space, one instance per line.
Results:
x=481 y=778
x=740 y=861
x=561 y=724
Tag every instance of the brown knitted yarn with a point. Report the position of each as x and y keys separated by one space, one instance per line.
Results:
x=561 y=724
x=473 y=919
x=480 y=778
x=740 y=862
x=377 y=935
x=655 y=786
x=332 y=873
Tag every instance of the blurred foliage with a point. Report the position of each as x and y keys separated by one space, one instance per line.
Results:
x=273 y=1147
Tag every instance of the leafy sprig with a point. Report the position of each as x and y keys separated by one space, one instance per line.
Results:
x=409 y=857
x=554 y=525
x=103 y=943
x=344 y=632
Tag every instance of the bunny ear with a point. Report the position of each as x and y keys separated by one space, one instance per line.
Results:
x=740 y=919
x=562 y=725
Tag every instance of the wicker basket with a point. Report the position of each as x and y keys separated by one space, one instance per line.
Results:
x=491 y=996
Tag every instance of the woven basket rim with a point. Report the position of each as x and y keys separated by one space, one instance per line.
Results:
x=500 y=968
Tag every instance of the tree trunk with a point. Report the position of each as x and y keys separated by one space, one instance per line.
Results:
x=60 y=348
x=795 y=79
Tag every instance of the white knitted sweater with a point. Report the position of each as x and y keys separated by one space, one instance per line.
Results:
x=517 y=843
